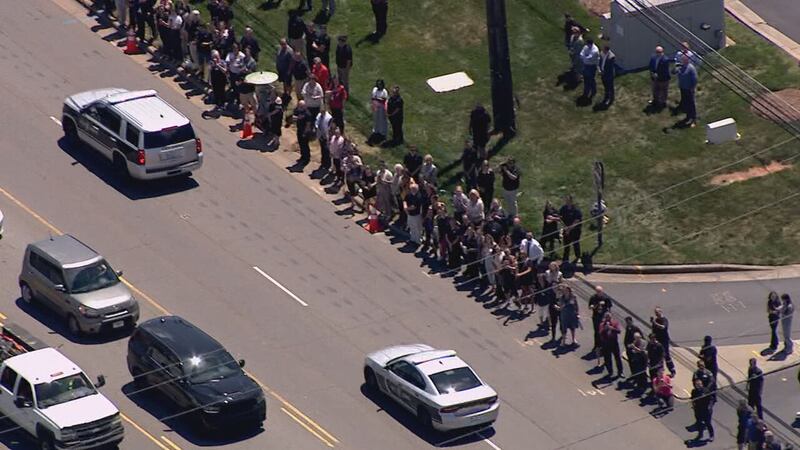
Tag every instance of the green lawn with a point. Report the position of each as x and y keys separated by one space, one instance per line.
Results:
x=558 y=141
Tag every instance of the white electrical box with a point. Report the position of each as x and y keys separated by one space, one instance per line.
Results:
x=721 y=131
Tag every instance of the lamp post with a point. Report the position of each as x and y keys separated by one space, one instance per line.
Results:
x=500 y=68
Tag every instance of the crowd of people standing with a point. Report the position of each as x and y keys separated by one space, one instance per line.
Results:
x=471 y=231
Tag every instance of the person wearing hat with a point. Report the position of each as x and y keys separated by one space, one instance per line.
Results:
x=344 y=61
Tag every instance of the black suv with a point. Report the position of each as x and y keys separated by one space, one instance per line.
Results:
x=196 y=373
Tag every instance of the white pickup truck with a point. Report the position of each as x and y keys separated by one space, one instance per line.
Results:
x=49 y=396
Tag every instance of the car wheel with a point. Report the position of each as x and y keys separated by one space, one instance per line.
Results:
x=121 y=167
x=73 y=326
x=70 y=130
x=370 y=380
x=46 y=442
x=424 y=418
x=26 y=293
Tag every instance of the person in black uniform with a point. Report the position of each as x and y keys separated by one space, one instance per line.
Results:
x=660 y=327
x=655 y=356
x=755 y=387
x=305 y=126
x=708 y=353
x=702 y=404
x=550 y=221
x=479 y=122
x=572 y=218
x=394 y=110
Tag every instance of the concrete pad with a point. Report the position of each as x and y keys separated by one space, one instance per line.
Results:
x=450 y=82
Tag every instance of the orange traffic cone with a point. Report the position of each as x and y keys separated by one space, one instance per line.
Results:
x=130 y=44
x=247 y=127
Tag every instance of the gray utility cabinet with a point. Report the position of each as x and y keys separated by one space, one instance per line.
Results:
x=633 y=36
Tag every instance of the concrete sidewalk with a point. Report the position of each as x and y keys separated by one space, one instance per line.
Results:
x=747 y=16
x=733 y=361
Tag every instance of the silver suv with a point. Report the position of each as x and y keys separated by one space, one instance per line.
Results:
x=68 y=277
x=143 y=136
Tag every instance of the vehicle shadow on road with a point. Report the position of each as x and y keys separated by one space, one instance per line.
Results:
x=167 y=413
x=432 y=437
x=57 y=325
x=12 y=436
x=133 y=189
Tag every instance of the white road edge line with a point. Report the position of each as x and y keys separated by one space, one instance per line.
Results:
x=491 y=444
x=55 y=120
x=476 y=432
x=280 y=286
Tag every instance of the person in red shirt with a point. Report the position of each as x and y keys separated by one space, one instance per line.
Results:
x=322 y=73
x=338 y=96
x=662 y=387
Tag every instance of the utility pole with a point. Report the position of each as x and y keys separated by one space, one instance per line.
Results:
x=500 y=67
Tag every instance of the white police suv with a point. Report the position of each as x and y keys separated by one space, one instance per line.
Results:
x=142 y=135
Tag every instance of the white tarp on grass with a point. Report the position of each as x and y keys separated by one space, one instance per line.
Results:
x=451 y=82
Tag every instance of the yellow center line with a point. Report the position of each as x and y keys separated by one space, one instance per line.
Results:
x=302 y=424
x=143 y=431
x=3 y=317
x=137 y=291
x=145 y=296
x=31 y=212
x=170 y=443
x=292 y=407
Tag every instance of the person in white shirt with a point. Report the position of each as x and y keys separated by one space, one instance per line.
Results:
x=380 y=125
x=336 y=146
x=475 y=210
x=234 y=60
x=532 y=249
x=685 y=50
x=429 y=172
x=175 y=24
x=590 y=57
x=313 y=94
x=323 y=126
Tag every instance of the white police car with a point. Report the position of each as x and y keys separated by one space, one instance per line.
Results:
x=435 y=385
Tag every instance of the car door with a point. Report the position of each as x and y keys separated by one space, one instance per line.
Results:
x=400 y=384
x=110 y=124
x=25 y=416
x=166 y=373
x=8 y=381
x=46 y=275
x=58 y=298
x=89 y=126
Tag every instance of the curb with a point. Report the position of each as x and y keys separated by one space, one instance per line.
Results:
x=671 y=269
x=749 y=18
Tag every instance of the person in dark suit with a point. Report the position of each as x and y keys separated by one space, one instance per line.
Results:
x=660 y=76
x=608 y=69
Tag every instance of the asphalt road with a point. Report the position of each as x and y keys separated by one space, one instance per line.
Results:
x=734 y=313
x=190 y=248
x=781 y=14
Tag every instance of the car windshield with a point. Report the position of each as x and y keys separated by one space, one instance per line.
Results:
x=89 y=278
x=455 y=380
x=211 y=366
x=168 y=136
x=63 y=390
